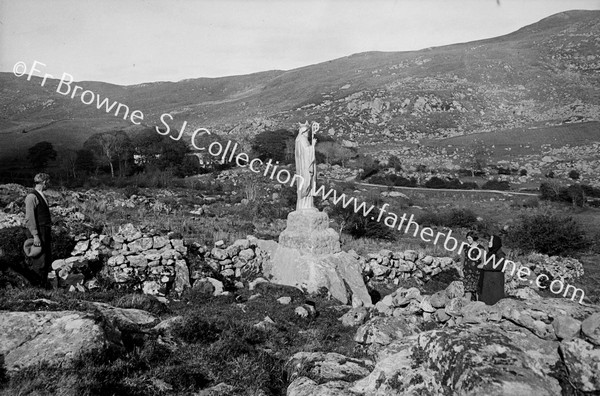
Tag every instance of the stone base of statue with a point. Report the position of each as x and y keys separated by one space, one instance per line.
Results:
x=308 y=256
x=309 y=231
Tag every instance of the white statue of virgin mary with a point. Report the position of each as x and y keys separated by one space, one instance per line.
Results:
x=306 y=166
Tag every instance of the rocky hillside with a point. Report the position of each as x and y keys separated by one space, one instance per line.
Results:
x=543 y=74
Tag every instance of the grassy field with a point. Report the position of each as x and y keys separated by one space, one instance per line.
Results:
x=526 y=141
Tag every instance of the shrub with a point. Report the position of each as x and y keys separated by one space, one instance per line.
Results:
x=523 y=172
x=531 y=202
x=590 y=191
x=549 y=191
x=436 y=182
x=573 y=174
x=195 y=329
x=393 y=180
x=360 y=226
x=11 y=244
x=496 y=185
x=370 y=167
x=573 y=194
x=548 y=234
x=456 y=217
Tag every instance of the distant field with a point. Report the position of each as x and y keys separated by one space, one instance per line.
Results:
x=523 y=141
x=64 y=134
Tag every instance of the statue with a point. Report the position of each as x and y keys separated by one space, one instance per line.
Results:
x=306 y=166
x=309 y=254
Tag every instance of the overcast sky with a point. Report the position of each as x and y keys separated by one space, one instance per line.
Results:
x=134 y=41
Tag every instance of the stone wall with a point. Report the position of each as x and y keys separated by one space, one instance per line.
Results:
x=243 y=257
x=149 y=261
x=397 y=266
x=388 y=266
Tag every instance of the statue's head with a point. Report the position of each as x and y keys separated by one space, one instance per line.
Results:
x=303 y=127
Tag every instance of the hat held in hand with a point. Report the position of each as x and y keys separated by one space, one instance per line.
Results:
x=30 y=249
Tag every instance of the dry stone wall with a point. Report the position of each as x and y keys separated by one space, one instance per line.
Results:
x=153 y=262
x=243 y=257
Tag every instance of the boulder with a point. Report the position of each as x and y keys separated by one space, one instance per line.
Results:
x=182 y=276
x=565 y=327
x=130 y=319
x=583 y=362
x=455 y=289
x=490 y=362
x=591 y=328
x=304 y=386
x=325 y=367
x=355 y=317
x=311 y=272
x=383 y=330
x=30 y=338
x=439 y=299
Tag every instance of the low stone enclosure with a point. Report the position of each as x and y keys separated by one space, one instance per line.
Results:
x=159 y=264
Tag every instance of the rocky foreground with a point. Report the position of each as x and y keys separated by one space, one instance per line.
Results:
x=527 y=346
x=516 y=347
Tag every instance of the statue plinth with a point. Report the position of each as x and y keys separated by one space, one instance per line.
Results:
x=309 y=257
x=308 y=231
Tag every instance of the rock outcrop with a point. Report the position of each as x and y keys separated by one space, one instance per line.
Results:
x=29 y=338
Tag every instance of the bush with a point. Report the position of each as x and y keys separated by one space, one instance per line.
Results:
x=523 y=172
x=496 y=185
x=548 y=234
x=436 y=182
x=360 y=226
x=457 y=217
x=11 y=245
x=590 y=191
x=370 y=167
x=393 y=180
x=195 y=329
x=574 y=174
x=531 y=202
x=574 y=194
x=276 y=145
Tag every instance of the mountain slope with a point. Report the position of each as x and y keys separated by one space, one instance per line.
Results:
x=545 y=73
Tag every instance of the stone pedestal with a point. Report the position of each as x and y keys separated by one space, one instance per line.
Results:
x=308 y=256
x=308 y=230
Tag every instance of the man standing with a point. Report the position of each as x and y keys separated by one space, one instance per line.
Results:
x=39 y=225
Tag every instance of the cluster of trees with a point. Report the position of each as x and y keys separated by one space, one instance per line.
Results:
x=118 y=154
x=574 y=194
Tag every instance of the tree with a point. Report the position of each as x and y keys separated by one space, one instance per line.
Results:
x=40 y=154
x=109 y=147
x=85 y=161
x=153 y=150
x=273 y=144
x=67 y=163
x=476 y=155
x=394 y=162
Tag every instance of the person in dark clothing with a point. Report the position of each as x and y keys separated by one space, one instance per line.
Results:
x=39 y=227
x=470 y=261
x=492 y=280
